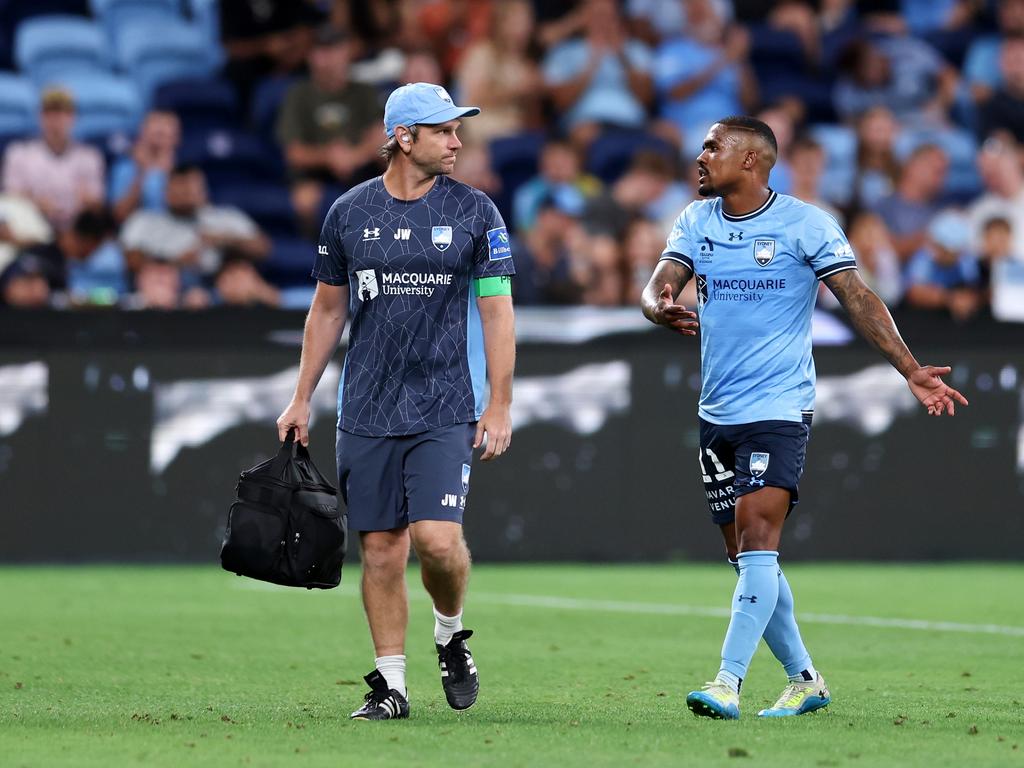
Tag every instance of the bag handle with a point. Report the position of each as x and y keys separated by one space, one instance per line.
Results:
x=289 y=449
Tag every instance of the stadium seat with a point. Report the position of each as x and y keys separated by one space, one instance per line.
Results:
x=269 y=203
x=14 y=12
x=266 y=102
x=115 y=14
x=514 y=159
x=51 y=46
x=206 y=14
x=232 y=157
x=106 y=104
x=612 y=151
x=157 y=52
x=201 y=104
x=840 y=145
x=19 y=105
x=290 y=262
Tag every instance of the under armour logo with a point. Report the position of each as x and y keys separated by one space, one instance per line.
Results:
x=735 y=236
x=371 y=234
x=751 y=598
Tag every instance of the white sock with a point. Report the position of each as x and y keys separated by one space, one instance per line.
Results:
x=800 y=678
x=446 y=626
x=729 y=679
x=393 y=670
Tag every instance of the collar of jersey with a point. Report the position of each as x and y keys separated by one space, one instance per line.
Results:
x=767 y=204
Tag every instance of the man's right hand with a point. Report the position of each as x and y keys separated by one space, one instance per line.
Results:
x=295 y=416
x=675 y=316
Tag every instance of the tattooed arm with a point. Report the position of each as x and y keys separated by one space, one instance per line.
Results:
x=658 y=299
x=872 y=320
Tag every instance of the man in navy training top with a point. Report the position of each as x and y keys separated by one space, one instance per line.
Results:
x=422 y=264
x=757 y=257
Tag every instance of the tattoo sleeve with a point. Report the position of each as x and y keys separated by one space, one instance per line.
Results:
x=871 y=318
x=674 y=273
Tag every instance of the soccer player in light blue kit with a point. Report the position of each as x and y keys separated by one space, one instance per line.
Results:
x=757 y=257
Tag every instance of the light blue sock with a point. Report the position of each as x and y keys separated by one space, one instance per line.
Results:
x=753 y=604
x=783 y=636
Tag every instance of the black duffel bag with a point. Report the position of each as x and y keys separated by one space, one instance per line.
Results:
x=286 y=526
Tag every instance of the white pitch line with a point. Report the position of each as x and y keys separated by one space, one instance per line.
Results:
x=673 y=609
x=670 y=609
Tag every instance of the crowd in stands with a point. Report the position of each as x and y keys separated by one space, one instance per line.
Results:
x=161 y=154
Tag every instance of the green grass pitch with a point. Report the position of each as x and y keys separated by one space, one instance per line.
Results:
x=580 y=666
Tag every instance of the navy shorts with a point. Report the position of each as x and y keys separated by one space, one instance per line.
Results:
x=389 y=482
x=736 y=459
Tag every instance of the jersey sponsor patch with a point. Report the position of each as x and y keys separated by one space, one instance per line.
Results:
x=498 y=245
x=368 y=287
x=441 y=237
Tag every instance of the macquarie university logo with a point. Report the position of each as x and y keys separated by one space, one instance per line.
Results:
x=368 y=288
x=441 y=237
x=764 y=252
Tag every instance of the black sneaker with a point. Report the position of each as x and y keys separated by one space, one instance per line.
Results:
x=382 y=703
x=458 y=671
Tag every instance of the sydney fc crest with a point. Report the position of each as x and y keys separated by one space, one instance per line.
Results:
x=764 y=252
x=465 y=478
x=759 y=463
x=441 y=237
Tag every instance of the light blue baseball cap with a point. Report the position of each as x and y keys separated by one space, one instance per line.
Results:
x=421 y=103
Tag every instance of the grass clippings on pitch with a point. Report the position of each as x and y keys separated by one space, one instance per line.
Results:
x=580 y=666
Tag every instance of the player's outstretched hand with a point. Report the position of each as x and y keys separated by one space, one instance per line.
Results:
x=674 y=316
x=295 y=416
x=496 y=424
x=933 y=392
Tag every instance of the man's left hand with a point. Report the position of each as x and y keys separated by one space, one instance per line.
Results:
x=496 y=424
x=933 y=392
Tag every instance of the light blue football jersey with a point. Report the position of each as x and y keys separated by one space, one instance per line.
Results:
x=757 y=279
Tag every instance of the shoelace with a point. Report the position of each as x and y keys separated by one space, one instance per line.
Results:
x=717 y=686
x=456 y=656
x=793 y=694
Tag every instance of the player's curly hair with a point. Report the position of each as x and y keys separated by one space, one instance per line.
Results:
x=390 y=147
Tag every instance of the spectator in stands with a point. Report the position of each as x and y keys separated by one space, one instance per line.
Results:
x=996 y=250
x=942 y=274
x=191 y=232
x=908 y=210
x=1003 y=177
x=877 y=166
x=21 y=226
x=783 y=125
x=451 y=29
x=544 y=268
x=901 y=73
x=876 y=257
x=806 y=164
x=238 y=284
x=140 y=180
x=642 y=247
x=654 y=21
x=264 y=38
x=559 y=20
x=602 y=79
x=474 y=168
x=330 y=128
x=981 y=66
x=159 y=285
x=498 y=75
x=94 y=260
x=25 y=283
x=1005 y=110
x=649 y=188
x=55 y=172
x=601 y=269
x=703 y=75
x=561 y=177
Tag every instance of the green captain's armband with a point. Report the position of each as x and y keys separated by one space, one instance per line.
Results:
x=493 y=286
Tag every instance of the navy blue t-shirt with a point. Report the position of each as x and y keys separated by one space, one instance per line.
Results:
x=415 y=359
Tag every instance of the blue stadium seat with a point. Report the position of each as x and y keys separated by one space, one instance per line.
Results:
x=290 y=262
x=612 y=151
x=201 y=104
x=106 y=104
x=514 y=159
x=206 y=13
x=19 y=106
x=157 y=52
x=269 y=203
x=232 y=157
x=51 y=46
x=840 y=145
x=266 y=101
x=114 y=14
x=14 y=12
